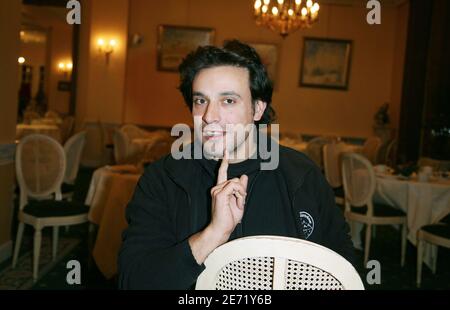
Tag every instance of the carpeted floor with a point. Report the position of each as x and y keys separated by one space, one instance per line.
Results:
x=385 y=248
x=20 y=278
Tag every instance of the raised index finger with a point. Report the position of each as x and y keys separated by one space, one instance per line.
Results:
x=222 y=177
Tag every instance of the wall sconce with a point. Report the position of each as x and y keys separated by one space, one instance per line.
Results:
x=65 y=68
x=21 y=60
x=106 y=48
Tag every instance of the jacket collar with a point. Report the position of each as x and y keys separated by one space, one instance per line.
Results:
x=293 y=165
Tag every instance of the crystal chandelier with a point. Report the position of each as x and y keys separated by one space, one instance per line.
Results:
x=286 y=16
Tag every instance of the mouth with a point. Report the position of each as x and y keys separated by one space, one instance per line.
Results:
x=213 y=135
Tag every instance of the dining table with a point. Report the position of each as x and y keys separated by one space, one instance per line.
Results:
x=50 y=130
x=424 y=202
x=110 y=190
x=302 y=146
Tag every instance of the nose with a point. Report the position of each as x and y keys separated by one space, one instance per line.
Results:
x=212 y=113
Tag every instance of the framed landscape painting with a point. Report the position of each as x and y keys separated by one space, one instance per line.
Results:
x=326 y=63
x=175 y=42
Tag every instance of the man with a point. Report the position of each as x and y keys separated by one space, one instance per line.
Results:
x=183 y=209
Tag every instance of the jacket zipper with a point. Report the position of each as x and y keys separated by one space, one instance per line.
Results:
x=299 y=222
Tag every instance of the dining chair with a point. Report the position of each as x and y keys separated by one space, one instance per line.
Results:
x=278 y=263
x=73 y=150
x=158 y=149
x=437 y=234
x=40 y=168
x=359 y=183
x=121 y=146
x=67 y=128
x=388 y=156
x=314 y=149
x=132 y=131
x=94 y=152
x=332 y=168
x=371 y=149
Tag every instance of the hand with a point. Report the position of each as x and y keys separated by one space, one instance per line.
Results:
x=228 y=200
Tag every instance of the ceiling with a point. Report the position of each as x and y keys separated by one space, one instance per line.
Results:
x=41 y=17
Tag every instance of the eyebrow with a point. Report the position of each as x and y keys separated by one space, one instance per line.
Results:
x=230 y=93
x=196 y=93
x=227 y=93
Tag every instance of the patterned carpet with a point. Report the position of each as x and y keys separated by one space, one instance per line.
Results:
x=20 y=278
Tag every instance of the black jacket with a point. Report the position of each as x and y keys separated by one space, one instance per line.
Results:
x=163 y=214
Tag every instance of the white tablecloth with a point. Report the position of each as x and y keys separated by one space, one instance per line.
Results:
x=423 y=202
x=109 y=193
x=23 y=130
x=302 y=146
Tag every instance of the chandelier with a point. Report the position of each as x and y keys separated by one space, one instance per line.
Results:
x=286 y=16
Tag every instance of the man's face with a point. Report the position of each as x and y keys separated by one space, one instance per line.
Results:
x=222 y=100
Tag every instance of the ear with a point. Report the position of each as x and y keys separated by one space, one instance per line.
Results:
x=260 y=107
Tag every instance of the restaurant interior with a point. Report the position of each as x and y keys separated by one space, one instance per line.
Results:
x=358 y=84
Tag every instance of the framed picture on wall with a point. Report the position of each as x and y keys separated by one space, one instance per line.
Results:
x=325 y=63
x=175 y=42
x=268 y=53
x=269 y=56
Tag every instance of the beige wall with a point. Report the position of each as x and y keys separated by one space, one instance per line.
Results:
x=60 y=44
x=152 y=98
x=9 y=36
x=101 y=86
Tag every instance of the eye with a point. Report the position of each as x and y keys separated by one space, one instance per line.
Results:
x=229 y=101
x=199 y=101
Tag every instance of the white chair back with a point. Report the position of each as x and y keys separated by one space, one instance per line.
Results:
x=94 y=152
x=314 y=149
x=332 y=163
x=371 y=149
x=386 y=153
x=132 y=131
x=73 y=149
x=40 y=167
x=359 y=181
x=67 y=126
x=279 y=263
x=121 y=146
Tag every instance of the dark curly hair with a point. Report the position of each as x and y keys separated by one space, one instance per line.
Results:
x=233 y=53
